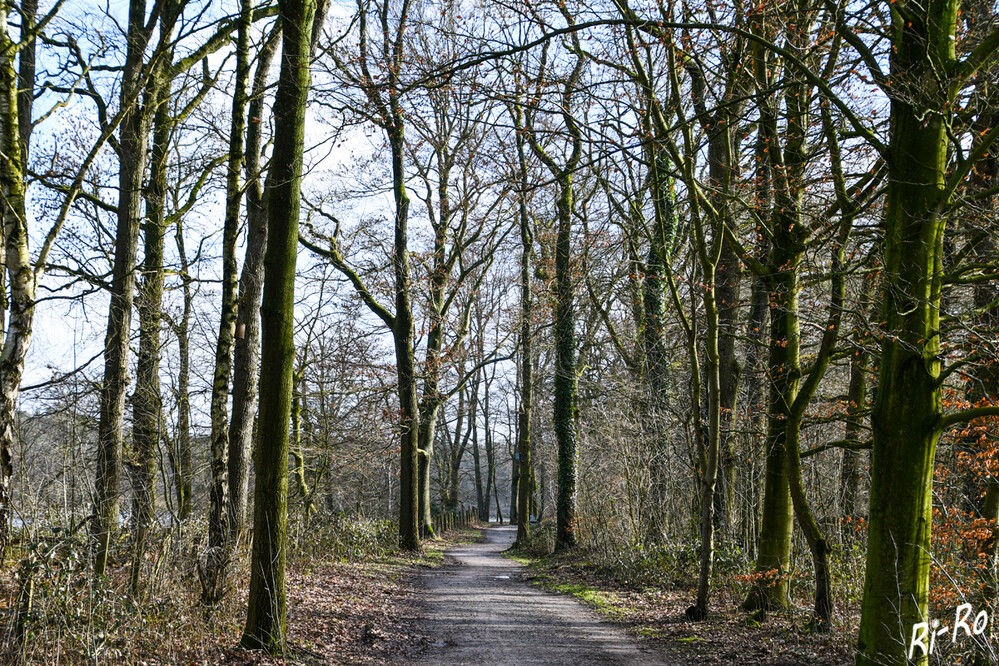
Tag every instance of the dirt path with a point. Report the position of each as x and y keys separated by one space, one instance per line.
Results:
x=484 y=612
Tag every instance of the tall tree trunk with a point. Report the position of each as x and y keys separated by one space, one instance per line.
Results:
x=402 y=327
x=15 y=259
x=526 y=403
x=723 y=168
x=297 y=452
x=183 y=459
x=387 y=100
x=656 y=374
x=710 y=450
x=481 y=495
x=564 y=413
x=402 y=334
x=132 y=157
x=907 y=414
x=770 y=590
x=720 y=125
x=431 y=400
x=565 y=373
x=707 y=435
x=265 y=618
x=147 y=418
x=217 y=556
x=246 y=351
x=756 y=334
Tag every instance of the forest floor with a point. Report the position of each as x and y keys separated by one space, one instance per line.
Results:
x=358 y=612
x=728 y=636
x=341 y=610
x=466 y=600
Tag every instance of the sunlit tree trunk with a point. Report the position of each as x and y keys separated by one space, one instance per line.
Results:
x=219 y=542
x=182 y=462
x=147 y=417
x=132 y=156
x=266 y=609
x=907 y=416
x=20 y=276
x=402 y=335
x=246 y=349
x=431 y=401
x=526 y=403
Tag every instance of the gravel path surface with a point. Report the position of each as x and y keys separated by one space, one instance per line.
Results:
x=484 y=612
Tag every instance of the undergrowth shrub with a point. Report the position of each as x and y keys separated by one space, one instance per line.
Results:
x=665 y=564
x=540 y=541
x=339 y=536
x=57 y=612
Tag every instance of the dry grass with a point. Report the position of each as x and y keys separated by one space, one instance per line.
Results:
x=347 y=603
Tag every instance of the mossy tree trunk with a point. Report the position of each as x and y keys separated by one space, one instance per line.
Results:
x=15 y=261
x=182 y=455
x=907 y=417
x=656 y=375
x=265 y=620
x=218 y=553
x=564 y=416
x=779 y=277
x=246 y=350
x=147 y=417
x=565 y=373
x=132 y=161
x=217 y=556
x=402 y=335
x=526 y=402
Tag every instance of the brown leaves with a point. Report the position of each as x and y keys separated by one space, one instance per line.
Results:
x=343 y=613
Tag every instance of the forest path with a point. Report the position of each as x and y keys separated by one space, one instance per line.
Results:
x=483 y=611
